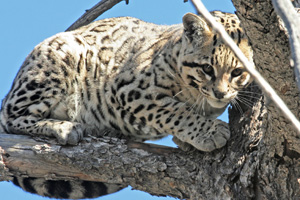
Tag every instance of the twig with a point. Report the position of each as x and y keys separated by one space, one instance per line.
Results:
x=287 y=12
x=269 y=91
x=91 y=14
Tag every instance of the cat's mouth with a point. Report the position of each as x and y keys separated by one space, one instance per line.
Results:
x=217 y=103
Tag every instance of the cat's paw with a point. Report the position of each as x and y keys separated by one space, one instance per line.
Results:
x=69 y=133
x=220 y=133
x=214 y=138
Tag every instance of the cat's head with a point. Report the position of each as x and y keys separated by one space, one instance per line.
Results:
x=207 y=64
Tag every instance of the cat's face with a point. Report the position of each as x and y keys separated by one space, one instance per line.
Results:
x=208 y=65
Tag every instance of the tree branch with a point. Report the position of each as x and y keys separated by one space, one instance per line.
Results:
x=91 y=14
x=266 y=87
x=155 y=169
x=287 y=12
x=97 y=10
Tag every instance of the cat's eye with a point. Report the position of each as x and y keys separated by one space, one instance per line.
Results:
x=237 y=72
x=208 y=69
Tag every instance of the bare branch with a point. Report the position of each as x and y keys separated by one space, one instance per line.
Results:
x=288 y=14
x=91 y=14
x=268 y=90
x=152 y=168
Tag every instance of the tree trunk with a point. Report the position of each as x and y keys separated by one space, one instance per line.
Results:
x=272 y=169
x=260 y=161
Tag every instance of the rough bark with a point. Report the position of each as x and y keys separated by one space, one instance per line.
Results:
x=151 y=168
x=277 y=171
x=285 y=9
x=260 y=161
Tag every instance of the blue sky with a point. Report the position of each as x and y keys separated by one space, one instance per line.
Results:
x=24 y=24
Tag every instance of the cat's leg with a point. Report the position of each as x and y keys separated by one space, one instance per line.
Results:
x=169 y=116
x=66 y=132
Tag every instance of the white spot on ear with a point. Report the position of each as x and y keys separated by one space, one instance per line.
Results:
x=194 y=26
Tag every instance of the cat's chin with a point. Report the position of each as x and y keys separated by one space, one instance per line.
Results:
x=217 y=103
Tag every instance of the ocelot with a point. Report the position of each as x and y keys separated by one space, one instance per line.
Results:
x=141 y=79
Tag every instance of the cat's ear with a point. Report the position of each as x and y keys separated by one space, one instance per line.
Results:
x=194 y=27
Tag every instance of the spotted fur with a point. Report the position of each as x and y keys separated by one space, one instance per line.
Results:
x=141 y=79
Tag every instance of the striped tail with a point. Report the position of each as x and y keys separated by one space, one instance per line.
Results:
x=66 y=189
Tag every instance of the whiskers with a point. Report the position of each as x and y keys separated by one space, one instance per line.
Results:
x=195 y=106
x=180 y=92
x=245 y=99
x=236 y=104
x=193 y=103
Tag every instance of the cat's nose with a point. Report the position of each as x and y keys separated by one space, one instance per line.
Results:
x=218 y=94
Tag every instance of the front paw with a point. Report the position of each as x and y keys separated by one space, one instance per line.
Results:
x=69 y=133
x=214 y=138
x=220 y=133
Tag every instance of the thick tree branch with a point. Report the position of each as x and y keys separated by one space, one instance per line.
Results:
x=91 y=14
x=155 y=169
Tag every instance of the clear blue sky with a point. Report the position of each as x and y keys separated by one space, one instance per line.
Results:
x=24 y=24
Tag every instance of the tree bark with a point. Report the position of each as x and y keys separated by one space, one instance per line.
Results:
x=260 y=161
x=155 y=169
x=276 y=172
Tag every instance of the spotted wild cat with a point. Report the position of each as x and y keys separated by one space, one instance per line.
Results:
x=141 y=79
